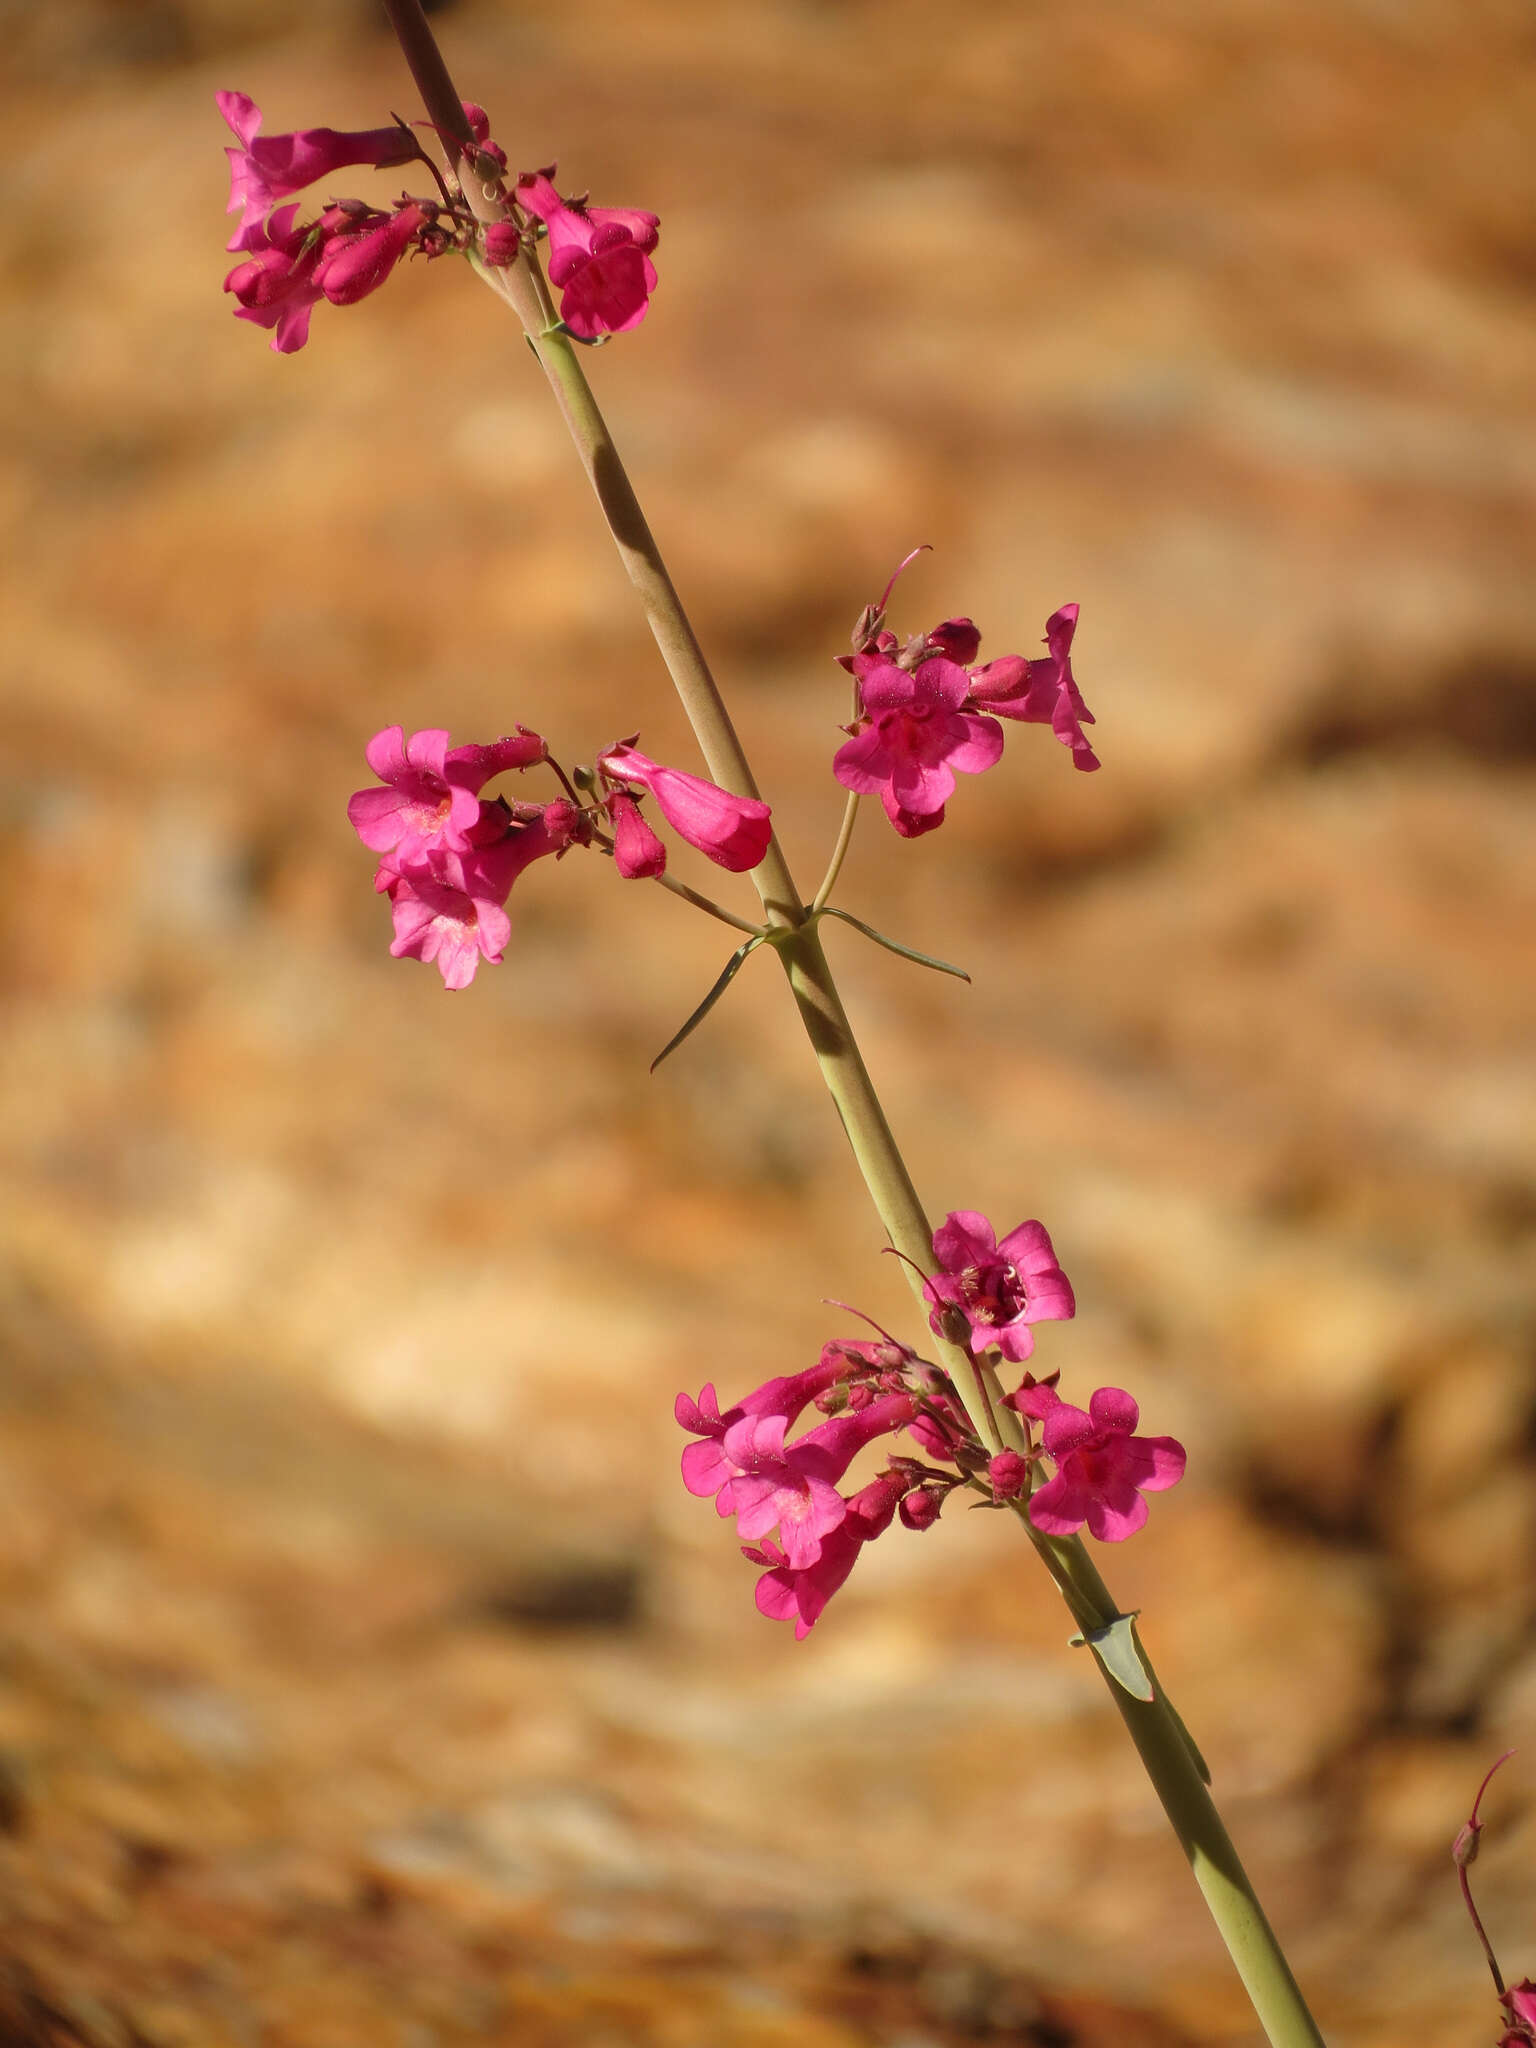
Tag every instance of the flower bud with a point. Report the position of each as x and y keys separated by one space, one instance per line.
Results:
x=1009 y=1474
x=637 y=853
x=500 y=241
x=920 y=1508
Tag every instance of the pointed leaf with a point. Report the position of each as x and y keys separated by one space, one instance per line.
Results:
x=1117 y=1649
x=732 y=967
x=893 y=946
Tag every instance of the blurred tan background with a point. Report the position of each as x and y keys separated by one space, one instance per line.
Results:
x=365 y=1673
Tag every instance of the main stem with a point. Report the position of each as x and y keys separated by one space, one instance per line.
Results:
x=1171 y=1761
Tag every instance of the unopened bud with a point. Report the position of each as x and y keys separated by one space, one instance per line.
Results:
x=1009 y=1474
x=499 y=243
x=562 y=821
x=920 y=1508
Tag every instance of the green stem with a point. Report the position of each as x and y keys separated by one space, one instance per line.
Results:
x=839 y=854
x=1159 y=1735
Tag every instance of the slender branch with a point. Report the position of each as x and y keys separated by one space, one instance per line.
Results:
x=703 y=903
x=419 y=48
x=818 y=902
x=1155 y=1728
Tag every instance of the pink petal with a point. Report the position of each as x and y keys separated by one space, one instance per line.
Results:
x=1065 y=1428
x=1058 y=1508
x=1112 y=1522
x=1113 y=1408
x=1167 y=1462
x=981 y=749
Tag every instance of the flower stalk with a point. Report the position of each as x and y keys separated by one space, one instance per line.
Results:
x=1167 y=1752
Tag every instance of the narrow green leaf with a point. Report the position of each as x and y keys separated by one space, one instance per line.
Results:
x=892 y=945
x=732 y=967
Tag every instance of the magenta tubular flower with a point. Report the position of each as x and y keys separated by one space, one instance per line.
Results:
x=599 y=257
x=771 y=1483
x=1102 y=1469
x=795 y=1485
x=787 y=1594
x=1000 y=1289
x=733 y=830
x=917 y=737
x=705 y=1467
x=637 y=853
x=453 y=913
x=355 y=262
x=430 y=802
x=1043 y=692
x=275 y=285
x=262 y=172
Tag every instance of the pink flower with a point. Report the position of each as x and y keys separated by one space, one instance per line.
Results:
x=733 y=830
x=275 y=285
x=1102 y=1469
x=452 y=913
x=786 y=1593
x=1043 y=692
x=358 y=260
x=917 y=736
x=772 y=1482
x=705 y=1468
x=795 y=1485
x=263 y=172
x=637 y=853
x=999 y=1288
x=430 y=802
x=599 y=257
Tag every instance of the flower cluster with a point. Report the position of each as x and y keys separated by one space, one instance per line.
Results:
x=745 y=1459
x=448 y=857
x=599 y=256
x=927 y=711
